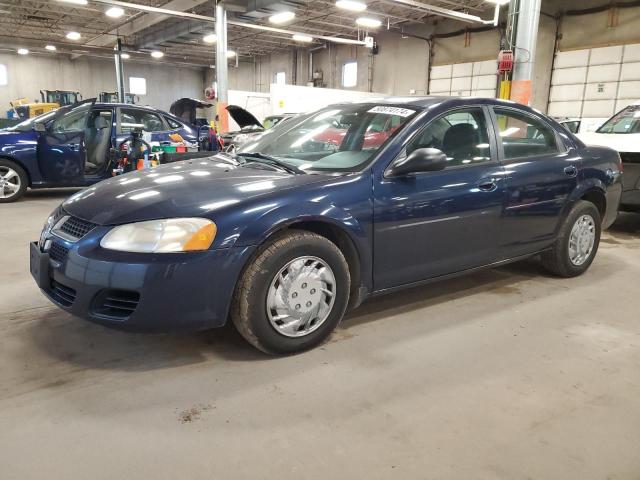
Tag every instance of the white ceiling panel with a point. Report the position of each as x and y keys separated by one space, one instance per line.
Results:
x=568 y=76
x=489 y=67
x=462 y=83
x=631 y=53
x=565 y=109
x=565 y=93
x=441 y=71
x=630 y=71
x=601 y=91
x=603 y=73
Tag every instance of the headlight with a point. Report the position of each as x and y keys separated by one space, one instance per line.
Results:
x=162 y=236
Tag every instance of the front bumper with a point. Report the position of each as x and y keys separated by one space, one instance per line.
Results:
x=141 y=292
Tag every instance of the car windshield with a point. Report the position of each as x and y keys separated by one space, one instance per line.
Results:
x=30 y=122
x=339 y=138
x=626 y=121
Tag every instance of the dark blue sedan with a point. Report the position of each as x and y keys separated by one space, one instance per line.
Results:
x=74 y=146
x=334 y=206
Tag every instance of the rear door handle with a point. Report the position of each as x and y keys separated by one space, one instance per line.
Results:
x=571 y=171
x=488 y=185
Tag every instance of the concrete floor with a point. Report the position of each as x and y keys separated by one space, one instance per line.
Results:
x=505 y=374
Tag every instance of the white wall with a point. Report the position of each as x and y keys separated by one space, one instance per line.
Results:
x=29 y=74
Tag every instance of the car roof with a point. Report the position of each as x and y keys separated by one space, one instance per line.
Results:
x=128 y=105
x=429 y=101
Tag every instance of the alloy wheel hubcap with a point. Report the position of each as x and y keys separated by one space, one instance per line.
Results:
x=9 y=182
x=301 y=296
x=582 y=240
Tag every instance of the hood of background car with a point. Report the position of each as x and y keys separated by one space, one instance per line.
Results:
x=190 y=188
x=242 y=117
x=622 y=142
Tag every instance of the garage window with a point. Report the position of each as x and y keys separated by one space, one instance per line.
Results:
x=350 y=74
x=281 y=78
x=3 y=75
x=524 y=136
x=138 y=85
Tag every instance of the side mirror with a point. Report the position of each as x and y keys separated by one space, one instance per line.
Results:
x=39 y=127
x=420 y=160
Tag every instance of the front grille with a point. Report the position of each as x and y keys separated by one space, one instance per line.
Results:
x=62 y=294
x=58 y=252
x=119 y=304
x=630 y=157
x=76 y=227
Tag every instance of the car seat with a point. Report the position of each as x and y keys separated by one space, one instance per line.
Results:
x=97 y=144
x=460 y=142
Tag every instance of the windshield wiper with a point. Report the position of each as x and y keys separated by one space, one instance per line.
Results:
x=268 y=159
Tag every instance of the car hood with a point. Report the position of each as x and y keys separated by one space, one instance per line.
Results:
x=622 y=142
x=182 y=189
x=242 y=117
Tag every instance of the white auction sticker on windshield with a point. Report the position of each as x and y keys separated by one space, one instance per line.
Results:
x=401 y=112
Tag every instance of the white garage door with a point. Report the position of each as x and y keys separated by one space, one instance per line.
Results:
x=464 y=79
x=595 y=82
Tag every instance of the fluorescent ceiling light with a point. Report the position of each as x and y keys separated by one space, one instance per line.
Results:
x=75 y=2
x=210 y=38
x=352 y=5
x=51 y=48
x=157 y=54
x=23 y=51
x=498 y=2
x=125 y=56
x=114 y=12
x=231 y=54
x=282 y=17
x=298 y=37
x=74 y=36
x=368 y=22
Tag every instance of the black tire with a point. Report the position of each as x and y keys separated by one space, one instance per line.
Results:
x=557 y=260
x=249 y=307
x=24 y=180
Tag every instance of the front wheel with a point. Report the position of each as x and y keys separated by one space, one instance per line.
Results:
x=13 y=181
x=293 y=294
x=577 y=242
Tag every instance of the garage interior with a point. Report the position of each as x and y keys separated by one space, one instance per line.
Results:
x=507 y=373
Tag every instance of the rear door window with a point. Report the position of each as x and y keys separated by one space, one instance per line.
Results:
x=131 y=118
x=523 y=135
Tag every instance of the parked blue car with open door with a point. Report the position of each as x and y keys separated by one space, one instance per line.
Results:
x=322 y=212
x=75 y=145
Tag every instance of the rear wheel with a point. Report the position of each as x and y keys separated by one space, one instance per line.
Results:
x=293 y=294
x=577 y=243
x=13 y=181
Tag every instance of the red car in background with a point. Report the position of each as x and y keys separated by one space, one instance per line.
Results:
x=377 y=133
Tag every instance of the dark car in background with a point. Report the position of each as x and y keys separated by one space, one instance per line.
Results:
x=284 y=235
x=74 y=145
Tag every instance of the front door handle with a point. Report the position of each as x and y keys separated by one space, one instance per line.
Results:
x=571 y=171
x=488 y=185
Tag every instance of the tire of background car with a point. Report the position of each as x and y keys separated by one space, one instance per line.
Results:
x=293 y=294
x=16 y=174
x=577 y=243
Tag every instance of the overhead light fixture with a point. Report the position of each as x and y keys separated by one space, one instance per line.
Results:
x=75 y=2
x=231 y=54
x=114 y=12
x=368 y=22
x=210 y=38
x=125 y=56
x=51 y=48
x=282 y=17
x=157 y=54
x=74 y=36
x=299 y=37
x=23 y=51
x=498 y=2
x=352 y=5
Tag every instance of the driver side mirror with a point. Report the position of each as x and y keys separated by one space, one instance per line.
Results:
x=420 y=160
x=39 y=127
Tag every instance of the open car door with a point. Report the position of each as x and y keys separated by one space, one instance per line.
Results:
x=61 y=145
